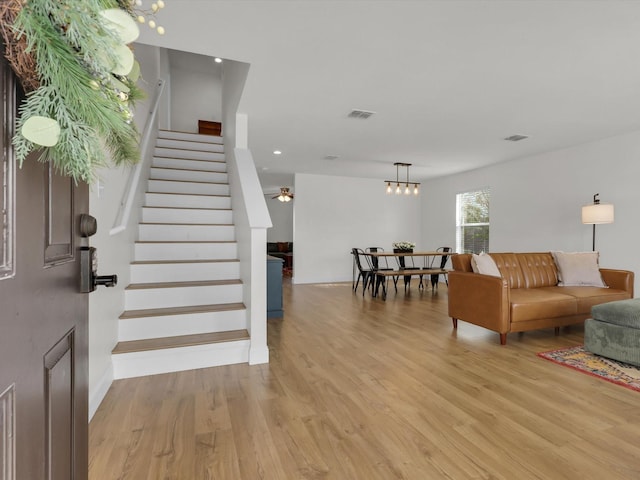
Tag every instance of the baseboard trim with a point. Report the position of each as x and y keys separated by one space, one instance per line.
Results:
x=98 y=393
x=258 y=355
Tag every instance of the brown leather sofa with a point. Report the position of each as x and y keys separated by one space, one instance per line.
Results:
x=527 y=297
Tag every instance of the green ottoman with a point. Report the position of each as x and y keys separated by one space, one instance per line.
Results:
x=614 y=331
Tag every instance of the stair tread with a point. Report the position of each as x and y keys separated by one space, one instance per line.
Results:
x=192 y=208
x=185 y=241
x=196 y=283
x=191 y=309
x=188 y=149
x=193 y=194
x=210 y=260
x=179 y=341
x=200 y=135
x=210 y=160
x=190 y=170
x=189 y=224
x=185 y=181
x=189 y=160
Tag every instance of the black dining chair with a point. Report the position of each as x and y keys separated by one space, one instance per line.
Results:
x=380 y=264
x=435 y=277
x=366 y=274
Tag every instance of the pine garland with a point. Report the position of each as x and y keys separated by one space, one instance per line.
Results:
x=74 y=53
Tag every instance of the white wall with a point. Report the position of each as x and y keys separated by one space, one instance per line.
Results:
x=195 y=93
x=281 y=212
x=114 y=251
x=163 y=70
x=334 y=214
x=536 y=201
x=282 y=219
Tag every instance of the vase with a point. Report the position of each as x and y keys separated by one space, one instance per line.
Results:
x=401 y=258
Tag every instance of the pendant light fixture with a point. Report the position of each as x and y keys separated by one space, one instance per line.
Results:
x=399 y=184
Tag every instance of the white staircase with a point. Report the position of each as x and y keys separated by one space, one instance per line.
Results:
x=184 y=305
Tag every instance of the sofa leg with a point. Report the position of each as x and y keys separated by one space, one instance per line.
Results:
x=455 y=322
x=556 y=330
x=503 y=339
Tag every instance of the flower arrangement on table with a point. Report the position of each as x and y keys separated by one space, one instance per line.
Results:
x=74 y=60
x=404 y=246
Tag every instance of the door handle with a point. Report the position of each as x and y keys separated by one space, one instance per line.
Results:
x=89 y=278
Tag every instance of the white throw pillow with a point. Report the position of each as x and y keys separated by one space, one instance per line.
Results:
x=578 y=269
x=484 y=264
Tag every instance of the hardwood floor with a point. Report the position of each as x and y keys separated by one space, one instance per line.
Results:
x=358 y=388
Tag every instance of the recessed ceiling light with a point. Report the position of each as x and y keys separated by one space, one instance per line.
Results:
x=277 y=152
x=217 y=60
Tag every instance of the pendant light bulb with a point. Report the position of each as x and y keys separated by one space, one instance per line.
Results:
x=389 y=187
x=406 y=189
x=398 y=191
x=415 y=189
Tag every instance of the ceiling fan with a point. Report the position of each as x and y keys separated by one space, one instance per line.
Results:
x=285 y=195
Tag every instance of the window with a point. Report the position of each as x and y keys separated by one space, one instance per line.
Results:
x=472 y=221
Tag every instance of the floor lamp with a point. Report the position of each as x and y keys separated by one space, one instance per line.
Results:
x=596 y=214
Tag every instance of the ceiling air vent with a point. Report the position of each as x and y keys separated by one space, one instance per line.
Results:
x=516 y=138
x=363 y=114
x=331 y=157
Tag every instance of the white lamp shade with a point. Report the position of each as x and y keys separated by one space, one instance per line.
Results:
x=597 y=214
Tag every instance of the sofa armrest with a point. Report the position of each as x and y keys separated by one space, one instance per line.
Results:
x=618 y=279
x=480 y=299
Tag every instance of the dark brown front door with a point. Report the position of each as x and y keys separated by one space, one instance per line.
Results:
x=43 y=317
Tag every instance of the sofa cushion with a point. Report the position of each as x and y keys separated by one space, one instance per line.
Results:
x=625 y=313
x=537 y=303
x=484 y=264
x=510 y=269
x=587 y=296
x=539 y=269
x=578 y=268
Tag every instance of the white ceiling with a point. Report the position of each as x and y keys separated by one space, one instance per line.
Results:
x=448 y=80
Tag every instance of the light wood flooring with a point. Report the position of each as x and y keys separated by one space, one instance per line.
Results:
x=358 y=388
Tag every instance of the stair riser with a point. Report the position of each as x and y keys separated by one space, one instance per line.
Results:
x=181 y=297
x=137 y=364
x=189 y=145
x=186 y=216
x=186 y=201
x=183 y=233
x=186 y=251
x=175 y=325
x=166 y=186
x=190 y=154
x=189 y=137
x=184 y=272
x=185 y=164
x=187 y=175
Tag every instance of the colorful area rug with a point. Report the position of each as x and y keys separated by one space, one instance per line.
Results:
x=586 y=362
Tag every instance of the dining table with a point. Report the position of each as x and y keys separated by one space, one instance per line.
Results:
x=382 y=274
